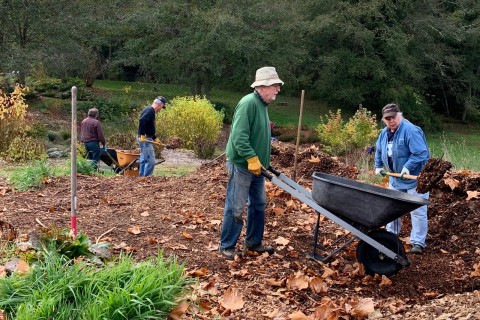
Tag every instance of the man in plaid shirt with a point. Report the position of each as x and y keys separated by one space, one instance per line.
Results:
x=92 y=136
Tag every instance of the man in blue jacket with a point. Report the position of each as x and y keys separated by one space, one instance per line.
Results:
x=402 y=147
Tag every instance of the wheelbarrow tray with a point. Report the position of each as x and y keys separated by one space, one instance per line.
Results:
x=368 y=205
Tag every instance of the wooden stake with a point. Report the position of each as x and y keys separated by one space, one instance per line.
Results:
x=73 y=172
x=298 y=136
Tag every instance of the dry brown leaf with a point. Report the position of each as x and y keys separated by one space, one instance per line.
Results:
x=473 y=194
x=314 y=159
x=212 y=246
x=22 y=267
x=202 y=272
x=3 y=273
x=452 y=183
x=475 y=273
x=385 y=282
x=317 y=285
x=327 y=310
x=187 y=235
x=278 y=211
x=363 y=307
x=274 y=283
x=134 y=230
x=282 y=241
x=179 y=310
x=145 y=214
x=430 y=295
x=297 y=282
x=328 y=273
x=298 y=315
x=232 y=299
x=2 y=315
x=216 y=222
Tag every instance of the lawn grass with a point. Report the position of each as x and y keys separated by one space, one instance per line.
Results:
x=457 y=143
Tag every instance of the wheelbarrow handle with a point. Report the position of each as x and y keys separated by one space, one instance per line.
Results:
x=267 y=175
x=405 y=176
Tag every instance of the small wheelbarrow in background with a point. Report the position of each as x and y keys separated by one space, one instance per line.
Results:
x=122 y=161
x=360 y=208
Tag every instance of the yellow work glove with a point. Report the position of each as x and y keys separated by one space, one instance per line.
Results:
x=157 y=141
x=143 y=138
x=254 y=165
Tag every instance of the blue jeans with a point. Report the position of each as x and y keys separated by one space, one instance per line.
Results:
x=93 y=151
x=243 y=187
x=419 y=219
x=147 y=158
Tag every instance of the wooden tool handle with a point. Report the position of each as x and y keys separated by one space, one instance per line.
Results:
x=405 y=176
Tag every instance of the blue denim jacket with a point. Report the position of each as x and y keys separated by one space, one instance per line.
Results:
x=410 y=150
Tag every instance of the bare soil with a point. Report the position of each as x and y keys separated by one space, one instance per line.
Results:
x=182 y=217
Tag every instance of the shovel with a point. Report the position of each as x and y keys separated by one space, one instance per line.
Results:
x=405 y=176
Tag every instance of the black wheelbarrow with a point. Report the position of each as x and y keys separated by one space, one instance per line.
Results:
x=360 y=208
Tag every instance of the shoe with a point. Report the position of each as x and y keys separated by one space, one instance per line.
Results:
x=228 y=253
x=261 y=249
x=416 y=249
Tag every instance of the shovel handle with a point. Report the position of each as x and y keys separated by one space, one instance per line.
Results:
x=405 y=176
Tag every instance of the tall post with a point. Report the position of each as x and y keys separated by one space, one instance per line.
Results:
x=298 y=136
x=73 y=171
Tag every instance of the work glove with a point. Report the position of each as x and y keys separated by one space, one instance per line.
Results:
x=143 y=138
x=254 y=165
x=157 y=141
x=403 y=172
x=380 y=171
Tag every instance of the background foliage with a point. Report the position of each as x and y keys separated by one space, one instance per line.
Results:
x=343 y=52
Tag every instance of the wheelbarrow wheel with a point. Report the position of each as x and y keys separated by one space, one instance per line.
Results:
x=374 y=261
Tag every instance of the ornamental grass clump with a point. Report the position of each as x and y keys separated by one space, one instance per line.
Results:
x=59 y=288
x=195 y=121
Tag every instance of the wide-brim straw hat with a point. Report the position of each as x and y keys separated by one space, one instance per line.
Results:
x=266 y=76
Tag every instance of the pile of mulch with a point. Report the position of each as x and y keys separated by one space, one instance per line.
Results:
x=182 y=217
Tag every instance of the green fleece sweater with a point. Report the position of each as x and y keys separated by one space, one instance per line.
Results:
x=250 y=133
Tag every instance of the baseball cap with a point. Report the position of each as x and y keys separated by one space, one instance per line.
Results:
x=160 y=99
x=390 y=110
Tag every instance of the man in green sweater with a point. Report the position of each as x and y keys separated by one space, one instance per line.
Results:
x=248 y=149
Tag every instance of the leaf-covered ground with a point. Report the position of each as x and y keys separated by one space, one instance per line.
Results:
x=182 y=216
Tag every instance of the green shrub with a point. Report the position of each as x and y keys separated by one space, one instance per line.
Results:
x=13 y=110
x=85 y=166
x=52 y=136
x=195 y=121
x=357 y=134
x=23 y=149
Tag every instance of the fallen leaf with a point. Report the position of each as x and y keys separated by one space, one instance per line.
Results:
x=202 y=272
x=134 y=230
x=363 y=307
x=145 y=214
x=187 y=235
x=3 y=274
x=278 y=211
x=385 y=282
x=274 y=283
x=22 y=267
x=282 y=241
x=297 y=282
x=232 y=300
x=318 y=285
x=212 y=246
x=472 y=194
x=452 y=183
x=179 y=310
x=299 y=315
